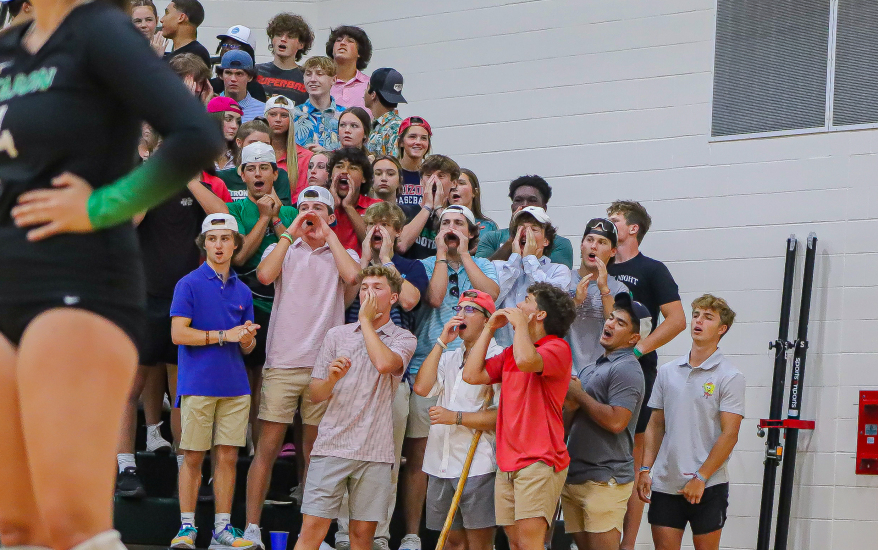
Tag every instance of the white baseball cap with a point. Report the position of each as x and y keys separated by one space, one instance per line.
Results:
x=459 y=209
x=257 y=152
x=315 y=193
x=538 y=213
x=279 y=101
x=240 y=33
x=219 y=221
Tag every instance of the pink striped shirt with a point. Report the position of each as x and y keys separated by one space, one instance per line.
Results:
x=358 y=423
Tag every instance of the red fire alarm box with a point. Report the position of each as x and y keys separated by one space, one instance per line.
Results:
x=867 y=434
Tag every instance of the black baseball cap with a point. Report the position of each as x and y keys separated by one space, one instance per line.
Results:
x=388 y=83
x=638 y=312
x=602 y=227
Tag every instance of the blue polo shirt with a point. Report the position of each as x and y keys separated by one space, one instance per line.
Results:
x=214 y=370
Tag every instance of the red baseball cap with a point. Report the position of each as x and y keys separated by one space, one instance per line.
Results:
x=222 y=104
x=415 y=121
x=482 y=299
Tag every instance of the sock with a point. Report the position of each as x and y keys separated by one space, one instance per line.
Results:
x=253 y=525
x=179 y=461
x=108 y=540
x=187 y=517
x=220 y=521
x=153 y=431
x=125 y=460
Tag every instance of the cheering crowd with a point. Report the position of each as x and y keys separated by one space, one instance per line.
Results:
x=330 y=288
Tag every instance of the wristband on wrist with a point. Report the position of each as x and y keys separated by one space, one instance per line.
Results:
x=206 y=337
x=222 y=337
x=388 y=264
x=276 y=223
x=637 y=353
x=645 y=469
x=427 y=208
x=459 y=418
x=441 y=343
x=697 y=475
x=286 y=236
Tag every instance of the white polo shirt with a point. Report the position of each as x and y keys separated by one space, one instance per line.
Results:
x=447 y=446
x=692 y=400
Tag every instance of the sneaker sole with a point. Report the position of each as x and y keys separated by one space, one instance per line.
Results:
x=279 y=502
x=138 y=493
x=160 y=449
x=182 y=546
x=226 y=547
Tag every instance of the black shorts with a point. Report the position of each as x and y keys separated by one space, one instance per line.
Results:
x=649 y=375
x=15 y=318
x=256 y=358
x=158 y=348
x=675 y=511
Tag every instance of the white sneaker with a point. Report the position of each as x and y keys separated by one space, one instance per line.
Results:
x=380 y=543
x=325 y=546
x=154 y=440
x=253 y=533
x=410 y=542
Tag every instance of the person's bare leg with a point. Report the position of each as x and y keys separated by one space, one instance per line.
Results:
x=527 y=534
x=313 y=532
x=608 y=540
x=634 y=514
x=707 y=541
x=176 y=424
x=88 y=355
x=480 y=539
x=20 y=520
x=362 y=533
x=189 y=479
x=667 y=538
x=456 y=540
x=271 y=437
x=309 y=436
x=154 y=393
x=414 y=483
x=254 y=375
x=129 y=414
x=225 y=458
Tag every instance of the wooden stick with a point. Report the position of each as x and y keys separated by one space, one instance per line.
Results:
x=458 y=493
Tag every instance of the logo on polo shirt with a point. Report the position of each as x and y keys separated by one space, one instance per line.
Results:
x=708 y=389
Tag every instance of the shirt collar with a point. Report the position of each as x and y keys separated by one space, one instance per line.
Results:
x=384 y=329
x=545 y=339
x=614 y=355
x=709 y=364
x=312 y=108
x=209 y=272
x=359 y=77
x=386 y=118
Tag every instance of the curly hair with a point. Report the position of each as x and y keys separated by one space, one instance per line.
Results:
x=634 y=214
x=536 y=182
x=558 y=305
x=718 y=306
x=364 y=45
x=548 y=229
x=295 y=26
x=392 y=276
x=357 y=157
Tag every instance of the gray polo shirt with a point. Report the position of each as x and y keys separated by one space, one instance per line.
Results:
x=589 y=323
x=692 y=400
x=595 y=453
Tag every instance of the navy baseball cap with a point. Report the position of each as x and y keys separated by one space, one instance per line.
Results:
x=638 y=312
x=237 y=59
x=602 y=227
x=388 y=83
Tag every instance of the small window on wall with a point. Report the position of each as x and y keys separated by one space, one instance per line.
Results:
x=855 y=97
x=770 y=67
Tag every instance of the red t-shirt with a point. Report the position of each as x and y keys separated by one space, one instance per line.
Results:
x=217 y=186
x=304 y=157
x=345 y=230
x=530 y=426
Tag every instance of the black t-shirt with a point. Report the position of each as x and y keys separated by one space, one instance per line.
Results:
x=652 y=285
x=167 y=238
x=193 y=47
x=285 y=82
x=76 y=106
x=254 y=88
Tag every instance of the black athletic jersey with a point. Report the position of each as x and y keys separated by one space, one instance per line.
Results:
x=285 y=82
x=652 y=285
x=195 y=47
x=167 y=238
x=76 y=106
x=254 y=88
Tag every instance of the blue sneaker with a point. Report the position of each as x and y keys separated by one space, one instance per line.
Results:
x=185 y=539
x=228 y=539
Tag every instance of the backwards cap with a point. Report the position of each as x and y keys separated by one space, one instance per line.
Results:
x=638 y=312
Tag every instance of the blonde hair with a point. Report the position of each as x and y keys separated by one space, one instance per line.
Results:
x=326 y=64
x=386 y=212
x=718 y=305
x=392 y=276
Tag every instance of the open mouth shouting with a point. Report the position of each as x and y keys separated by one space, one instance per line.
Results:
x=343 y=185
x=452 y=240
x=455 y=197
x=282 y=47
x=377 y=239
x=606 y=334
x=259 y=185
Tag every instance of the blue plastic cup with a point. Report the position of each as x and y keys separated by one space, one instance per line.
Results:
x=279 y=540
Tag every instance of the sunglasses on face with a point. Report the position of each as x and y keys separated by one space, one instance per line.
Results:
x=469 y=310
x=230 y=46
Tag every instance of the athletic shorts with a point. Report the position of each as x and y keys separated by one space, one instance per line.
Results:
x=368 y=485
x=645 y=411
x=531 y=492
x=158 y=347
x=419 y=416
x=476 y=508
x=256 y=358
x=595 y=507
x=675 y=511
x=208 y=421
x=284 y=391
x=15 y=318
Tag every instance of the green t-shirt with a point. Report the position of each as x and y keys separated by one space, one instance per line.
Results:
x=489 y=241
x=238 y=189
x=247 y=215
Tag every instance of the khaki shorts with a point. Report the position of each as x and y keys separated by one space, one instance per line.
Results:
x=531 y=492
x=419 y=415
x=367 y=484
x=284 y=391
x=595 y=507
x=221 y=419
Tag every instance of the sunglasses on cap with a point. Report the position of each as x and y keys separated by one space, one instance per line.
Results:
x=603 y=225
